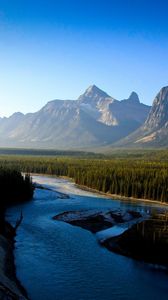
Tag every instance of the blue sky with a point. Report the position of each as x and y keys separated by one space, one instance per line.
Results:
x=56 y=49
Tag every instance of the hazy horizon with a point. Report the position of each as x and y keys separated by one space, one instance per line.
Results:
x=53 y=49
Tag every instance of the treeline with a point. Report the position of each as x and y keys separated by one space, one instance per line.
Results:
x=141 y=180
x=130 y=178
x=49 y=152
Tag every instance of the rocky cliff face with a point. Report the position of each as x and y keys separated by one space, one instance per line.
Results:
x=94 y=119
x=158 y=116
x=154 y=131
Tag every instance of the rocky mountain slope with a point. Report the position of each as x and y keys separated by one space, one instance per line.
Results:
x=94 y=119
x=154 y=131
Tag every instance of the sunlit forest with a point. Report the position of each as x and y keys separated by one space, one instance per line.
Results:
x=129 y=176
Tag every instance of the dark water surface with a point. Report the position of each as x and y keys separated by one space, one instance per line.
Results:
x=58 y=261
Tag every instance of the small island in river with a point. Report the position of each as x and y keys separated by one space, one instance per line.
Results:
x=97 y=221
x=142 y=237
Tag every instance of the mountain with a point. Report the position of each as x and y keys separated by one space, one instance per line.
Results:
x=94 y=119
x=154 y=131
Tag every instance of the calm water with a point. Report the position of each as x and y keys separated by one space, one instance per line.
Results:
x=58 y=261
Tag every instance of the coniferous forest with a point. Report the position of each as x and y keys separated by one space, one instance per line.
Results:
x=15 y=188
x=138 y=178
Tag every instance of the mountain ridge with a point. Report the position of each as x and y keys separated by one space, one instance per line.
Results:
x=94 y=119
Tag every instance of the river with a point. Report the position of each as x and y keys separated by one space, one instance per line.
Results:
x=58 y=261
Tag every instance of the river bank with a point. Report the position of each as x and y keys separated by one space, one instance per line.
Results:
x=16 y=189
x=108 y=195
x=119 y=197
x=10 y=287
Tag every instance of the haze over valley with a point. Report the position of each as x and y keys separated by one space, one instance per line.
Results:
x=95 y=119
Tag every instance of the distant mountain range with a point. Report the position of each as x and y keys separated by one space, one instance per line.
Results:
x=94 y=119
